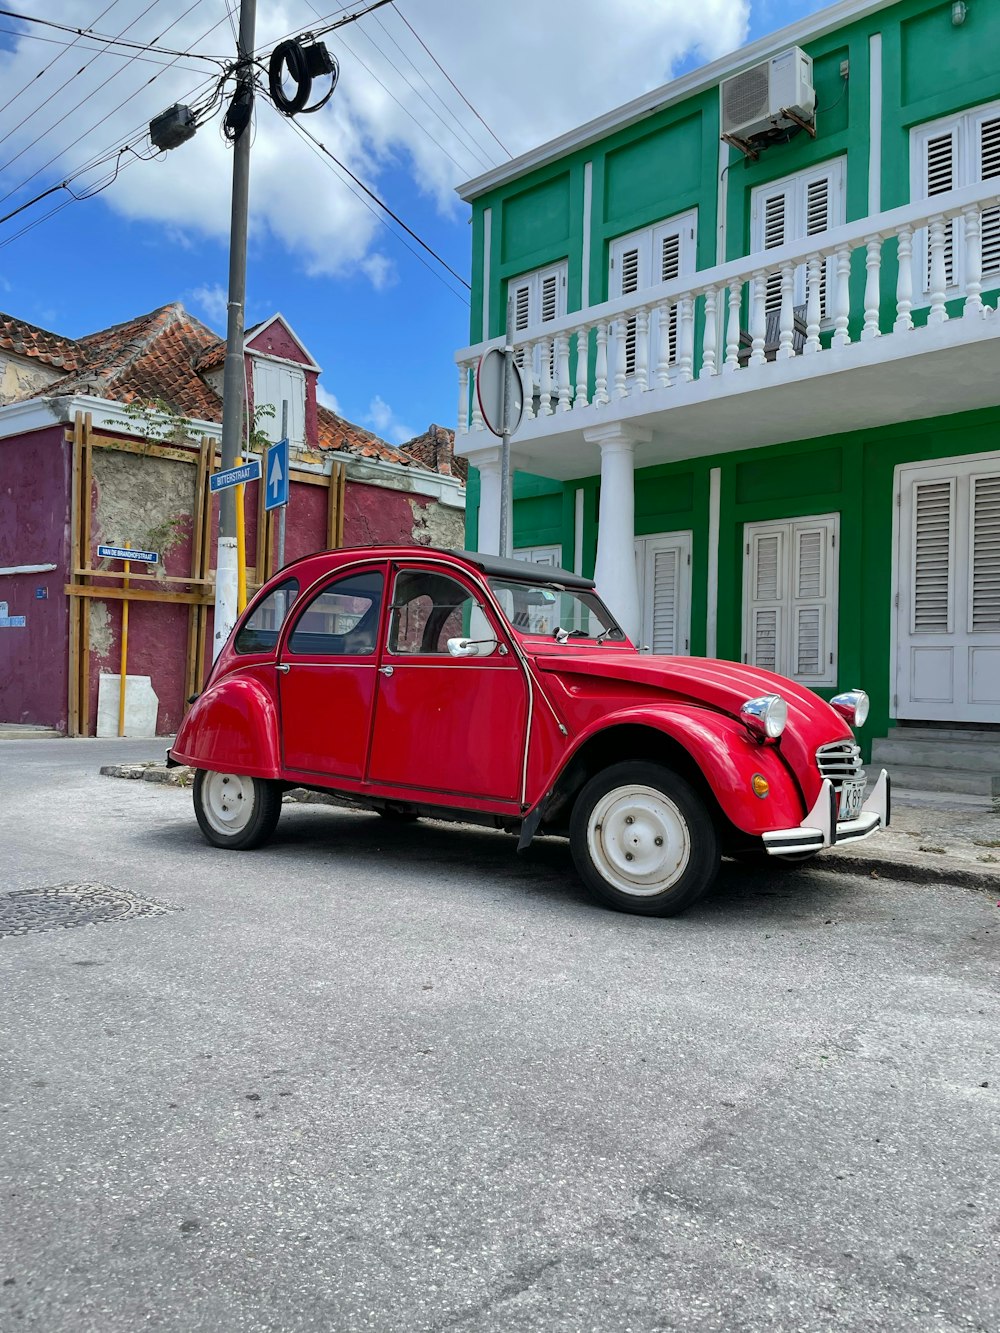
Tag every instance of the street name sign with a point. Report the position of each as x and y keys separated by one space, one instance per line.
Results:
x=276 y=472
x=235 y=476
x=124 y=553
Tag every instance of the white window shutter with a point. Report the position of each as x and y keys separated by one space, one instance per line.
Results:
x=628 y=282
x=775 y=231
x=933 y=542
x=666 y=575
x=812 y=602
x=768 y=559
x=987 y=155
x=766 y=633
x=940 y=161
x=819 y=218
x=984 y=595
x=669 y=254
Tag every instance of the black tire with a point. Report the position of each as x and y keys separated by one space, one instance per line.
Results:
x=220 y=808
x=650 y=802
x=392 y=816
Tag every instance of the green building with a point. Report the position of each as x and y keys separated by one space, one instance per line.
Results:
x=755 y=314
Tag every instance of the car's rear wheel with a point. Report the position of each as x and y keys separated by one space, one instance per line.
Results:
x=643 y=840
x=235 y=811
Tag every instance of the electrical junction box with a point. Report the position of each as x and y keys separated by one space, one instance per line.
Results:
x=172 y=127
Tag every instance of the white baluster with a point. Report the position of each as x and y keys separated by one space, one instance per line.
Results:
x=562 y=372
x=758 y=318
x=685 y=339
x=873 y=271
x=786 y=316
x=582 y=367
x=814 y=287
x=525 y=356
x=477 y=416
x=601 y=366
x=733 y=327
x=621 y=357
x=463 y=399
x=937 y=233
x=904 y=281
x=973 y=263
x=545 y=384
x=710 y=338
x=663 y=376
x=841 y=296
x=641 y=383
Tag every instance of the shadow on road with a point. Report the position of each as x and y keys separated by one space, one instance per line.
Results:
x=323 y=844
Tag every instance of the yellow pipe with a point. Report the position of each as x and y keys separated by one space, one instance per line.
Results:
x=241 y=549
x=124 y=670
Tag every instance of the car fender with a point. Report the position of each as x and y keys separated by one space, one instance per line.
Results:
x=727 y=756
x=231 y=728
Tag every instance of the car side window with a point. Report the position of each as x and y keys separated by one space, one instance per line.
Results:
x=428 y=609
x=259 y=633
x=341 y=620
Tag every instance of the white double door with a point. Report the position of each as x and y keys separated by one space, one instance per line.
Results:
x=947 y=649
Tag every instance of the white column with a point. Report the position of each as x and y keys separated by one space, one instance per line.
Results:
x=488 y=463
x=615 y=572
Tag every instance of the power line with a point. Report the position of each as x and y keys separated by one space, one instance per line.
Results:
x=328 y=161
x=52 y=62
x=450 y=79
x=384 y=206
x=114 y=41
x=99 y=50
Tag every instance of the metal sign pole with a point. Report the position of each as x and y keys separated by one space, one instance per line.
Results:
x=508 y=362
x=279 y=541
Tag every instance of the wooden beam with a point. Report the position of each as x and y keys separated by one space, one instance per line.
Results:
x=198 y=519
x=341 y=493
x=80 y=571
x=89 y=591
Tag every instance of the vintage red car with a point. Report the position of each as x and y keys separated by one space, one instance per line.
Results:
x=415 y=681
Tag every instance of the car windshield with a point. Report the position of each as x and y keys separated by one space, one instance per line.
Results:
x=548 y=609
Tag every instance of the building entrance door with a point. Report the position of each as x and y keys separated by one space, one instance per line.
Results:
x=948 y=599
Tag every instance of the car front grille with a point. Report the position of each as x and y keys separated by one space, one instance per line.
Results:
x=840 y=760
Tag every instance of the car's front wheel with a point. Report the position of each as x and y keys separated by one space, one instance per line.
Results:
x=235 y=811
x=643 y=840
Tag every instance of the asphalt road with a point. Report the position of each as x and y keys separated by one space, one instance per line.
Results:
x=403 y=1079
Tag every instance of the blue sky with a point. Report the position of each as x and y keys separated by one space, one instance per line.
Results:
x=383 y=326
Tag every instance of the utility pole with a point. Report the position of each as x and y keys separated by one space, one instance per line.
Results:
x=234 y=379
x=506 y=413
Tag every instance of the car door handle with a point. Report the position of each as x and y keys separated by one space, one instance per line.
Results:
x=385 y=671
x=282 y=666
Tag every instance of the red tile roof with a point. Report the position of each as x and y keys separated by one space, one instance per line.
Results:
x=24 y=339
x=159 y=356
x=436 y=450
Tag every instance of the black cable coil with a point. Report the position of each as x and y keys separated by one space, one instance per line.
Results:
x=302 y=64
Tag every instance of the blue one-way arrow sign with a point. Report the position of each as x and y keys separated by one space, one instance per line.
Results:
x=276 y=473
x=235 y=476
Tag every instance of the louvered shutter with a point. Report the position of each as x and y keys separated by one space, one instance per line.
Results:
x=987 y=146
x=628 y=282
x=984 y=595
x=663 y=569
x=940 y=167
x=669 y=255
x=775 y=231
x=766 y=626
x=819 y=218
x=812 y=602
x=521 y=297
x=666 y=573
x=933 y=537
x=766 y=590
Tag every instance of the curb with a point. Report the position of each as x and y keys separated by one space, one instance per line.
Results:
x=948 y=871
x=152 y=771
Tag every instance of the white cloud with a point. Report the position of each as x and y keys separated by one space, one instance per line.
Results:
x=532 y=71
x=213 y=302
x=384 y=422
x=4 y=284
x=328 y=400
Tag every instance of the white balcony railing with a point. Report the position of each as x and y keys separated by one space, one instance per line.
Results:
x=795 y=300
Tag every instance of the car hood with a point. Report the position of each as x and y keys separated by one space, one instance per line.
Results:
x=713 y=683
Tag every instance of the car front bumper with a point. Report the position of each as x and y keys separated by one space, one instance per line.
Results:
x=821 y=828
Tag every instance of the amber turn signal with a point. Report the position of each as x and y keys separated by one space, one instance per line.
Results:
x=760 y=785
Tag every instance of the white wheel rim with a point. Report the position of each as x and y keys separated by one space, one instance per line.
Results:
x=227 y=799
x=638 y=840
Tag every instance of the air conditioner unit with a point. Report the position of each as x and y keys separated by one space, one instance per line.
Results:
x=756 y=100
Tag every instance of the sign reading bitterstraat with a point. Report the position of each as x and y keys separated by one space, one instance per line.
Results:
x=235 y=476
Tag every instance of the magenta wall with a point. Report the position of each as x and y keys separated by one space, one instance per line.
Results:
x=34 y=530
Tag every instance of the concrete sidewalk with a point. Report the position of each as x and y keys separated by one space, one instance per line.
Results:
x=934 y=837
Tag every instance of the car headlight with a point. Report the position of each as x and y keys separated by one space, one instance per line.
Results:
x=765 y=717
x=852 y=707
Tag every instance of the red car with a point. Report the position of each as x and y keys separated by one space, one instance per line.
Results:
x=416 y=681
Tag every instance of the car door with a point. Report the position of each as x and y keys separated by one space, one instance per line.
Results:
x=327 y=670
x=447 y=724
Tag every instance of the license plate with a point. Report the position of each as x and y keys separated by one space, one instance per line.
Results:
x=852 y=796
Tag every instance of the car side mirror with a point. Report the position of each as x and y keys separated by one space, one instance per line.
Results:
x=471 y=647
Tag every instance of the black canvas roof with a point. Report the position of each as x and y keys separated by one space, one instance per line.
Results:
x=519 y=570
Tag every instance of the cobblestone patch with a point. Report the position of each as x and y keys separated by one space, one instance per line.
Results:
x=62 y=906
x=150 y=771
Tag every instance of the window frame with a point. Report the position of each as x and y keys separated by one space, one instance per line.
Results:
x=303 y=605
x=795 y=188
x=479 y=607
